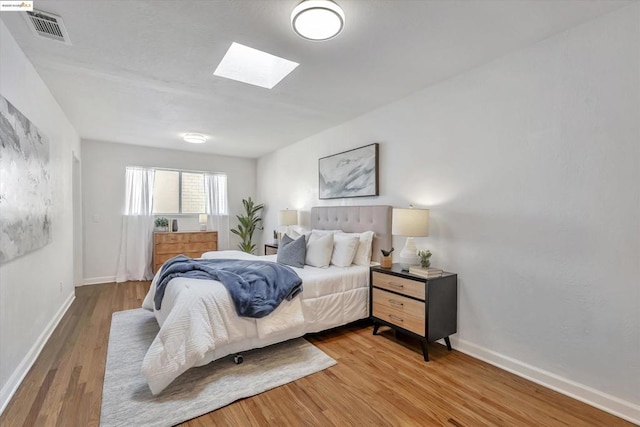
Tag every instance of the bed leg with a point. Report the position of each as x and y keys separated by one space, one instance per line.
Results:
x=238 y=359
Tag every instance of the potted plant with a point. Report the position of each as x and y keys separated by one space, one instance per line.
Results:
x=425 y=262
x=248 y=223
x=162 y=223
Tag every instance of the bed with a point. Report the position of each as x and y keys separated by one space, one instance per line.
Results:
x=198 y=322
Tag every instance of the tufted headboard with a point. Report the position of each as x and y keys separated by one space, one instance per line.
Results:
x=356 y=219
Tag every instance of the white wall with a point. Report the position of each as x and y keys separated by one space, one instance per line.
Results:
x=37 y=288
x=103 y=195
x=530 y=165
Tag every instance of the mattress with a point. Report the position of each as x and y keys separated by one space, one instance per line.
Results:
x=198 y=323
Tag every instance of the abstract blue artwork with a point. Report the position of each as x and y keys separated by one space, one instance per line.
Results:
x=353 y=173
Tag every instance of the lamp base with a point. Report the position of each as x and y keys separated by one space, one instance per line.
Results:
x=203 y=227
x=408 y=255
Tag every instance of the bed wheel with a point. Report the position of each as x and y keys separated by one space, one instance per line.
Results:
x=238 y=359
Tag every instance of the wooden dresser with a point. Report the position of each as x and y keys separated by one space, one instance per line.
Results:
x=190 y=243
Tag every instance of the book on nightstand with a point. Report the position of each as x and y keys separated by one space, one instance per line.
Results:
x=428 y=273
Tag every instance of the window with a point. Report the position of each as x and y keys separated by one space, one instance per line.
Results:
x=182 y=192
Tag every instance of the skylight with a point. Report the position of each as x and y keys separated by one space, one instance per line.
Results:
x=253 y=66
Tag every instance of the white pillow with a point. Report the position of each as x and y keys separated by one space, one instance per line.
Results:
x=298 y=232
x=344 y=249
x=319 y=250
x=363 y=253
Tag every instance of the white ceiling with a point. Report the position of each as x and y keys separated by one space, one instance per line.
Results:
x=141 y=72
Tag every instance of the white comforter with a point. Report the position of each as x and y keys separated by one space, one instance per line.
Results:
x=198 y=322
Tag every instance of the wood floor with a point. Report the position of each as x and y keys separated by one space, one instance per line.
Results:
x=378 y=381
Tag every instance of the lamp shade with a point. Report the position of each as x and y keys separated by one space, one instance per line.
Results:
x=410 y=222
x=288 y=217
x=202 y=218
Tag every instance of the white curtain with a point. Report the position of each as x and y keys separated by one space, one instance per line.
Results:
x=217 y=208
x=136 y=246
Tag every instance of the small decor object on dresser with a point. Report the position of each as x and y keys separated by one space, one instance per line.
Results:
x=425 y=261
x=174 y=225
x=386 y=260
x=162 y=224
x=425 y=272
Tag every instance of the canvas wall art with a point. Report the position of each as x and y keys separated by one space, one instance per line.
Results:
x=25 y=188
x=353 y=173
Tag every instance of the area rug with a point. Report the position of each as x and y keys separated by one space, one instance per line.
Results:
x=127 y=400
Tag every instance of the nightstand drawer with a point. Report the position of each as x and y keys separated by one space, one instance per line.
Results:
x=400 y=318
x=399 y=303
x=407 y=287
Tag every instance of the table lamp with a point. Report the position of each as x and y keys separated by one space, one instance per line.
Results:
x=288 y=218
x=202 y=219
x=410 y=223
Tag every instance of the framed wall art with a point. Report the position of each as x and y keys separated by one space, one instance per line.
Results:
x=25 y=192
x=353 y=173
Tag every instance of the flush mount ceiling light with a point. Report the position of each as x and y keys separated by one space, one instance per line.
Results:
x=255 y=67
x=317 y=19
x=195 y=138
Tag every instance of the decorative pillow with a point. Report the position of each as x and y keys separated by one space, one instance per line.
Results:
x=292 y=252
x=344 y=249
x=319 y=250
x=363 y=253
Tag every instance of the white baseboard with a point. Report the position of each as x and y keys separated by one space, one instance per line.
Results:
x=98 y=280
x=21 y=371
x=616 y=406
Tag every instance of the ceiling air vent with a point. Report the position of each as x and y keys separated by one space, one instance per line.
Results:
x=48 y=25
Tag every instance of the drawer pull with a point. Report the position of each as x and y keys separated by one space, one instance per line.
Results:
x=396 y=285
x=394 y=302
x=396 y=318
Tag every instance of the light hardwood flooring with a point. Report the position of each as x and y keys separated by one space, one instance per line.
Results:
x=378 y=381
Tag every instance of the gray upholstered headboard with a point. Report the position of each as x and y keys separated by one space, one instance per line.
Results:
x=356 y=219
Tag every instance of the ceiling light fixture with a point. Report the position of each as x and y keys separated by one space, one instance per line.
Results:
x=195 y=138
x=317 y=20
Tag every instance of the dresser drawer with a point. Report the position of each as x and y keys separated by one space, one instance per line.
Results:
x=191 y=237
x=412 y=288
x=403 y=312
x=180 y=248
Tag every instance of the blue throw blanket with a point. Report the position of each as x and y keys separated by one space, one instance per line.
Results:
x=256 y=287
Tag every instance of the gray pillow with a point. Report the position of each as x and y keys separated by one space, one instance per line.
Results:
x=292 y=252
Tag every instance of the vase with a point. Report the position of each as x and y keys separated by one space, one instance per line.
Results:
x=174 y=225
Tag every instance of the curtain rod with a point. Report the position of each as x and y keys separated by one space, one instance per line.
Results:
x=176 y=170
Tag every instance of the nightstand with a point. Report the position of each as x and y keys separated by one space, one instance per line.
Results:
x=270 y=248
x=423 y=308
